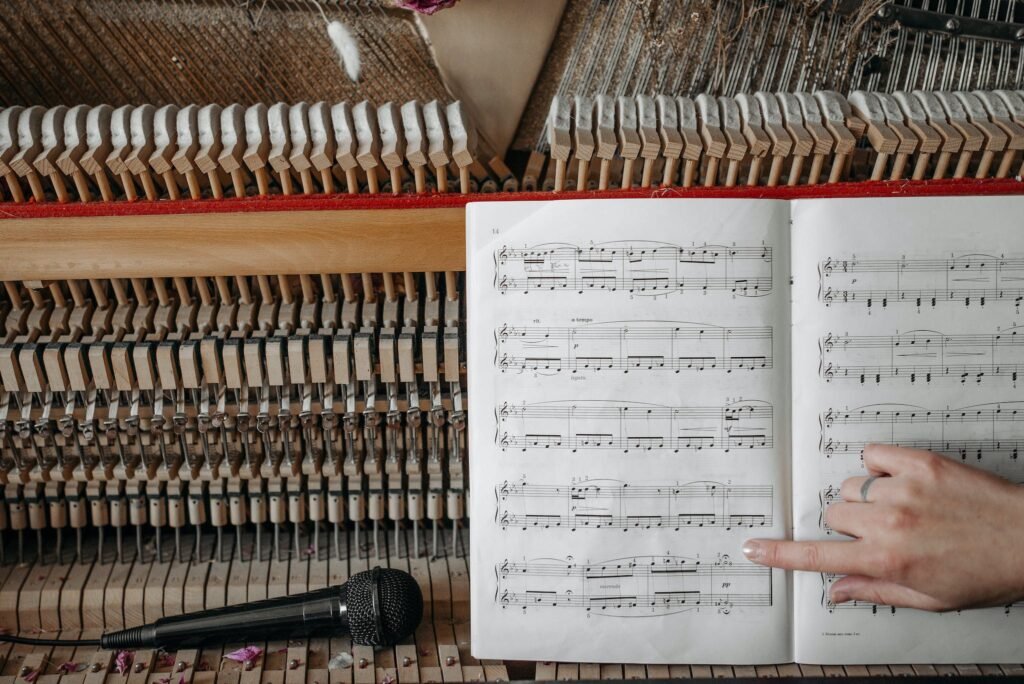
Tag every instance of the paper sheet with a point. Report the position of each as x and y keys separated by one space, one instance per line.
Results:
x=906 y=329
x=630 y=389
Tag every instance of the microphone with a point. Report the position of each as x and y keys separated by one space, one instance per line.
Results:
x=378 y=607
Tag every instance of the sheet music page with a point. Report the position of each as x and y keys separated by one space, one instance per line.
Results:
x=906 y=317
x=628 y=373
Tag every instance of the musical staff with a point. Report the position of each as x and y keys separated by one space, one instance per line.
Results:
x=828 y=579
x=614 y=505
x=634 y=587
x=633 y=426
x=923 y=356
x=638 y=267
x=985 y=431
x=632 y=346
x=971 y=280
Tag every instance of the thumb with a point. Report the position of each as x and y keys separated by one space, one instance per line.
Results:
x=881 y=592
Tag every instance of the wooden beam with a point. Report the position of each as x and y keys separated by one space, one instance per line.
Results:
x=324 y=241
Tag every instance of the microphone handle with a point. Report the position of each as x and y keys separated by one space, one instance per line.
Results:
x=286 y=617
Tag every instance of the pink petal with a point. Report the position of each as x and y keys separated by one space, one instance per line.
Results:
x=31 y=676
x=123 y=661
x=68 y=668
x=245 y=655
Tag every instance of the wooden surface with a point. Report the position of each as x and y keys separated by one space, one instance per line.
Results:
x=258 y=243
x=439 y=651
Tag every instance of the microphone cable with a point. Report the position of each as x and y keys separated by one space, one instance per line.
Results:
x=29 y=641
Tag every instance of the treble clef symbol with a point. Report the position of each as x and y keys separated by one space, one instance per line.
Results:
x=503 y=254
x=505 y=520
x=827 y=267
x=827 y=296
x=504 y=440
x=503 y=333
x=504 y=284
x=829 y=418
x=828 y=373
x=503 y=363
x=828 y=342
x=503 y=570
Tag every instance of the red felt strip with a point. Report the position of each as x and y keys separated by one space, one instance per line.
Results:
x=906 y=188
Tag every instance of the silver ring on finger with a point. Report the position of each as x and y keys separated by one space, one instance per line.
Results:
x=865 y=487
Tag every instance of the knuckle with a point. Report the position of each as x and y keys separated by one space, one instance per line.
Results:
x=811 y=556
x=898 y=518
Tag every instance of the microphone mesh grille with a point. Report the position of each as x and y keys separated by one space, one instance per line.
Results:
x=400 y=602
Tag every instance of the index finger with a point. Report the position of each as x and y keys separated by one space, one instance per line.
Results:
x=841 y=557
x=885 y=459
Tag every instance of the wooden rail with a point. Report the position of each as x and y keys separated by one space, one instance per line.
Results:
x=249 y=243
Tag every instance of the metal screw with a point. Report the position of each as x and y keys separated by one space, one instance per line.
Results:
x=96 y=667
x=449 y=661
x=180 y=666
x=362 y=663
x=953 y=25
x=139 y=666
x=1019 y=35
x=406 y=661
x=292 y=664
x=24 y=671
x=248 y=665
x=884 y=12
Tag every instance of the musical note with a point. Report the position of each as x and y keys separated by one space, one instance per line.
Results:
x=970 y=280
x=597 y=504
x=633 y=426
x=632 y=346
x=983 y=431
x=641 y=267
x=635 y=586
x=923 y=356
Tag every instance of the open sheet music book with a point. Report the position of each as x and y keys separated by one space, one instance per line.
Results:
x=656 y=381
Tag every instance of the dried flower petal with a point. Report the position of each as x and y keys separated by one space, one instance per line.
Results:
x=31 y=675
x=388 y=679
x=165 y=659
x=425 y=6
x=341 y=661
x=248 y=654
x=69 y=668
x=123 y=661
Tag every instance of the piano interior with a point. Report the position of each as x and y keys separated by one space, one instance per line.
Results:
x=233 y=357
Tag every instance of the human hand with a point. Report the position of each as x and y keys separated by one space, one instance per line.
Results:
x=933 y=534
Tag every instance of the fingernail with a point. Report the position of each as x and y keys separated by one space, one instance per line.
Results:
x=840 y=596
x=753 y=550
